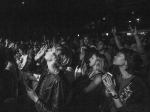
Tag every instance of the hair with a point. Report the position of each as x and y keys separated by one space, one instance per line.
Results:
x=101 y=62
x=63 y=54
x=24 y=48
x=9 y=54
x=104 y=41
x=56 y=66
x=134 y=61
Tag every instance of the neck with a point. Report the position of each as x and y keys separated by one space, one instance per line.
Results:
x=95 y=71
x=124 y=73
x=50 y=67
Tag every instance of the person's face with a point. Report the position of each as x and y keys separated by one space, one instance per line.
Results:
x=86 y=40
x=82 y=55
x=100 y=46
x=49 y=56
x=20 y=51
x=92 y=61
x=119 y=59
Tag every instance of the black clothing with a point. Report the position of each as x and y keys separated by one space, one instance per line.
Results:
x=52 y=91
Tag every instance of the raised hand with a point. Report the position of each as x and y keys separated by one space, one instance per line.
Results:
x=41 y=52
x=11 y=45
x=133 y=31
x=114 y=31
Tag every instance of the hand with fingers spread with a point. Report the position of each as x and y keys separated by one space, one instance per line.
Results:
x=41 y=52
x=114 y=31
x=133 y=31
x=107 y=80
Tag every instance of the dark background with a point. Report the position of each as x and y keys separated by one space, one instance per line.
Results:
x=30 y=19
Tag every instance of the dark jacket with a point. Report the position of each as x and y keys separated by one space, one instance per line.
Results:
x=6 y=86
x=52 y=91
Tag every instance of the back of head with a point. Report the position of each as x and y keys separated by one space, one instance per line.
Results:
x=24 y=48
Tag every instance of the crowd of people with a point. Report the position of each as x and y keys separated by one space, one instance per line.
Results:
x=76 y=74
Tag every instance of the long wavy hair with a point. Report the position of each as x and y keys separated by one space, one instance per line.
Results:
x=101 y=62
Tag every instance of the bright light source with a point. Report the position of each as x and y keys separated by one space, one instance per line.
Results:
x=129 y=21
x=107 y=34
x=22 y=3
x=129 y=34
x=138 y=19
x=78 y=35
x=143 y=33
x=104 y=18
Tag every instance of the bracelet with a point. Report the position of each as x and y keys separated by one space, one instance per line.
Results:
x=115 y=96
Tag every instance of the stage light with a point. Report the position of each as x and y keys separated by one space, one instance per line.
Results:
x=78 y=35
x=23 y=3
x=104 y=18
x=138 y=19
x=129 y=34
x=129 y=21
x=107 y=34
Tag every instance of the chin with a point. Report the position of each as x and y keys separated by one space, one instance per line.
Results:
x=90 y=65
x=114 y=63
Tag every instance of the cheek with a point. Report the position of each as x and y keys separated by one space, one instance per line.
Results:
x=118 y=61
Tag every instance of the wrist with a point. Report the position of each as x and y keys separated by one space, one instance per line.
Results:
x=115 y=96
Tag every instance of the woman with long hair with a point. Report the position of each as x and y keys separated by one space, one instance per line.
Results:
x=125 y=89
x=88 y=88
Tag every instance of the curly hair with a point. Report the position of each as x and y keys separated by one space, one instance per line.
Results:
x=134 y=61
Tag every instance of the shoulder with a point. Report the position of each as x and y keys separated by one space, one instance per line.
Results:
x=98 y=79
x=138 y=86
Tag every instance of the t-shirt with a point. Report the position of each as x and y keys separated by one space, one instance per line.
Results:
x=124 y=82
